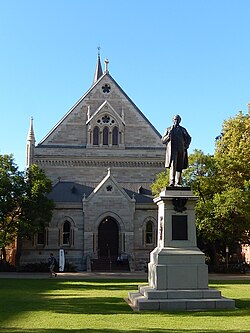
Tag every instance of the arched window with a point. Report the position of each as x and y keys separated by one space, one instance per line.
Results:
x=149 y=233
x=41 y=237
x=66 y=233
x=96 y=136
x=115 y=136
x=105 y=136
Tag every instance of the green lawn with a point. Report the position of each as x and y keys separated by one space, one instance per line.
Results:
x=98 y=306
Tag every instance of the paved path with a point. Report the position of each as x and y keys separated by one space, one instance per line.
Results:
x=107 y=275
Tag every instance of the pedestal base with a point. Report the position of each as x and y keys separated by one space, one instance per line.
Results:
x=178 y=280
x=178 y=300
x=177 y=268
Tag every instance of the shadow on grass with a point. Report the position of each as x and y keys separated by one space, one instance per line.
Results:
x=83 y=305
x=100 y=284
x=69 y=297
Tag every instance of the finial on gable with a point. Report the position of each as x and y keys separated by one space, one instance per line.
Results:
x=106 y=62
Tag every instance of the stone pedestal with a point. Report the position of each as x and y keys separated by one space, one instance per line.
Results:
x=178 y=275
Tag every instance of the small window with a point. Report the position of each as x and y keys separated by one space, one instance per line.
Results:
x=105 y=136
x=96 y=136
x=149 y=233
x=115 y=136
x=66 y=233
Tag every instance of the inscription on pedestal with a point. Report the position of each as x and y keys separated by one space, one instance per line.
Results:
x=179 y=227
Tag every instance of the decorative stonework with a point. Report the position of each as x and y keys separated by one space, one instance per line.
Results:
x=105 y=120
x=106 y=88
x=93 y=163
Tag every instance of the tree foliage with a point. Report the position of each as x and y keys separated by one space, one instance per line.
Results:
x=12 y=185
x=36 y=207
x=162 y=181
x=232 y=152
x=24 y=206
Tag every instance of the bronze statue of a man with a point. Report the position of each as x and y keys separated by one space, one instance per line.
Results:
x=177 y=141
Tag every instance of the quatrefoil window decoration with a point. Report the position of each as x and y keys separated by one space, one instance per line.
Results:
x=105 y=119
x=109 y=188
x=106 y=88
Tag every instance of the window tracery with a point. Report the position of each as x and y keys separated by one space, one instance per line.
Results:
x=105 y=132
x=105 y=120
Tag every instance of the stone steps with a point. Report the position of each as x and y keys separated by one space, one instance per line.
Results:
x=105 y=264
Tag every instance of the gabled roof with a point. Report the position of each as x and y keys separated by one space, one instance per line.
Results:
x=106 y=74
x=109 y=178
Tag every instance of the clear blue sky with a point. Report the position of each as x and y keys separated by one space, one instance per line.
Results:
x=190 y=57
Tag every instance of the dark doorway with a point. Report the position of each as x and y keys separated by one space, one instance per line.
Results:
x=108 y=237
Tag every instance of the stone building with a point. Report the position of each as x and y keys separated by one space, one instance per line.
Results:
x=102 y=157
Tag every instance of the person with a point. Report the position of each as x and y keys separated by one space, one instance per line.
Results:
x=52 y=264
x=119 y=259
x=177 y=141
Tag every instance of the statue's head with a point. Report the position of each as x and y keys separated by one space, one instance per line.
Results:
x=176 y=119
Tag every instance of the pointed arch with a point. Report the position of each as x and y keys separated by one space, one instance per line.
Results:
x=96 y=135
x=149 y=231
x=115 y=134
x=66 y=232
x=105 y=134
x=108 y=237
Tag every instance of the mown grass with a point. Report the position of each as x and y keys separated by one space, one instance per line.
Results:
x=98 y=306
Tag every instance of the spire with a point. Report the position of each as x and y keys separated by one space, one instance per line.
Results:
x=30 y=145
x=98 y=69
x=31 y=135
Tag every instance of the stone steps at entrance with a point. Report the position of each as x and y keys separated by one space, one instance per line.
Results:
x=106 y=264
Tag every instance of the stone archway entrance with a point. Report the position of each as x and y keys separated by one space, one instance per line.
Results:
x=108 y=237
x=108 y=248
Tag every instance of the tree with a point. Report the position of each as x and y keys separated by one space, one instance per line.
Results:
x=36 y=212
x=162 y=181
x=24 y=205
x=11 y=190
x=232 y=152
x=202 y=176
x=232 y=202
